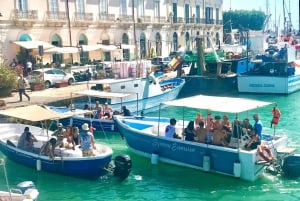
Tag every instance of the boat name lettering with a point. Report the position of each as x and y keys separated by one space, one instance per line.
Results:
x=261 y=85
x=173 y=147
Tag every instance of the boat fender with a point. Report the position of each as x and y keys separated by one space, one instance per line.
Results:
x=123 y=166
x=154 y=158
x=38 y=165
x=206 y=163
x=237 y=168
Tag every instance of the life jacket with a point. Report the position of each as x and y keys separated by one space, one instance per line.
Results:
x=276 y=116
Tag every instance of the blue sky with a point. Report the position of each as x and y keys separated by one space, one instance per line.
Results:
x=261 y=5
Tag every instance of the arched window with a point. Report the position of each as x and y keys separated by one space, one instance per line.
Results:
x=56 y=41
x=175 y=41
x=187 y=40
x=125 y=40
x=84 y=56
x=158 y=44
x=143 y=50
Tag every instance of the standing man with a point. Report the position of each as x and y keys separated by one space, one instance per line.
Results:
x=257 y=125
x=86 y=141
x=21 y=85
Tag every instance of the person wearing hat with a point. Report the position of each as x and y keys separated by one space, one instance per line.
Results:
x=86 y=141
x=21 y=86
x=59 y=134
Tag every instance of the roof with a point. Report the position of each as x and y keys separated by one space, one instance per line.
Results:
x=102 y=94
x=220 y=104
x=36 y=113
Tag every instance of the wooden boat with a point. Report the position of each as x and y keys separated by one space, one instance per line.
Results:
x=65 y=161
x=145 y=136
x=24 y=191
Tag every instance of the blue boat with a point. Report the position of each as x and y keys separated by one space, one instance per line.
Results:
x=65 y=161
x=145 y=136
x=140 y=95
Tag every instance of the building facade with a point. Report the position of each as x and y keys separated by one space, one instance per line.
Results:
x=140 y=28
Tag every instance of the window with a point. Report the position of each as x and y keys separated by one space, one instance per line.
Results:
x=175 y=12
x=123 y=7
x=80 y=6
x=53 y=6
x=197 y=13
x=187 y=13
x=156 y=9
x=209 y=15
x=103 y=6
x=22 y=5
x=217 y=15
x=141 y=8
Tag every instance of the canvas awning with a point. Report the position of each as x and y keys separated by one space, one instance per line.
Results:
x=220 y=104
x=62 y=50
x=36 y=113
x=33 y=44
x=101 y=94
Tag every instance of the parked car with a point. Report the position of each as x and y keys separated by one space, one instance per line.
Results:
x=51 y=76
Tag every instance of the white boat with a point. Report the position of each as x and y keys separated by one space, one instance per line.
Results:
x=139 y=95
x=65 y=161
x=24 y=191
x=276 y=73
x=145 y=136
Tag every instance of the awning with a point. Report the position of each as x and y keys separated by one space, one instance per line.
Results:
x=101 y=94
x=33 y=44
x=62 y=50
x=126 y=46
x=219 y=104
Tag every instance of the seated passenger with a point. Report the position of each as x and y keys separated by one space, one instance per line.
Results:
x=97 y=106
x=189 y=132
x=209 y=122
x=48 y=148
x=59 y=134
x=247 y=127
x=201 y=132
x=226 y=124
x=107 y=111
x=198 y=119
x=26 y=140
x=98 y=114
x=170 y=130
x=125 y=111
x=254 y=142
x=218 y=136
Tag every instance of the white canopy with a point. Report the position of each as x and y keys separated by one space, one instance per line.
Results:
x=37 y=113
x=33 y=44
x=101 y=94
x=62 y=50
x=126 y=46
x=220 y=104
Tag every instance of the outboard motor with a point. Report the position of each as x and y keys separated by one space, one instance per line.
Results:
x=123 y=166
x=28 y=189
x=291 y=166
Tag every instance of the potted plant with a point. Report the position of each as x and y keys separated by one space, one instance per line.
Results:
x=37 y=84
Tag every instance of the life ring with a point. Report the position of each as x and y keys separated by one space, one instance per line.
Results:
x=265 y=153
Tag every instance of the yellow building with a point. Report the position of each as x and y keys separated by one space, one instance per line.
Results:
x=139 y=28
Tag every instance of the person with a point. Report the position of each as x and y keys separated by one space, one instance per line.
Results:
x=68 y=138
x=246 y=126
x=13 y=64
x=98 y=114
x=26 y=140
x=189 y=132
x=48 y=148
x=201 y=132
x=226 y=124
x=107 y=111
x=97 y=106
x=170 y=130
x=198 y=119
x=258 y=126
x=75 y=132
x=21 y=85
x=59 y=134
x=28 y=67
x=218 y=132
x=20 y=68
x=125 y=111
x=254 y=141
x=86 y=141
x=209 y=122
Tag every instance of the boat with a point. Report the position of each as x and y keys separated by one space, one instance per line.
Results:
x=145 y=136
x=24 y=191
x=139 y=95
x=276 y=72
x=65 y=161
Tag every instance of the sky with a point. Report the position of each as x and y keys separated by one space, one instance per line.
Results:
x=275 y=8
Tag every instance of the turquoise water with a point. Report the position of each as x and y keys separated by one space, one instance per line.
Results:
x=167 y=182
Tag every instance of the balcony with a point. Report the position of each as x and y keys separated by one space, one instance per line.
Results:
x=83 y=19
x=144 y=19
x=56 y=18
x=105 y=17
x=159 y=20
x=125 y=18
x=25 y=17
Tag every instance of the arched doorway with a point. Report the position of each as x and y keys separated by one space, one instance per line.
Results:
x=218 y=42
x=84 y=56
x=105 y=41
x=175 y=41
x=56 y=41
x=24 y=54
x=187 y=40
x=158 y=44
x=143 y=51
x=125 y=40
x=25 y=37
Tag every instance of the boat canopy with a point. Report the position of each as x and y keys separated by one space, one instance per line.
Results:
x=220 y=104
x=37 y=113
x=102 y=94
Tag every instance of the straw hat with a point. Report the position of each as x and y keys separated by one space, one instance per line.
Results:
x=85 y=127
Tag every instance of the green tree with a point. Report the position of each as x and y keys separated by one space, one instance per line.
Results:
x=243 y=20
x=8 y=80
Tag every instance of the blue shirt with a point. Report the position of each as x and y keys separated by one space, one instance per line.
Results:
x=85 y=138
x=170 y=131
x=258 y=127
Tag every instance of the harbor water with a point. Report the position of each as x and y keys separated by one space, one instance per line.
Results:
x=160 y=181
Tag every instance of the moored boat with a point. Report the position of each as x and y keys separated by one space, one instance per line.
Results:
x=63 y=161
x=146 y=136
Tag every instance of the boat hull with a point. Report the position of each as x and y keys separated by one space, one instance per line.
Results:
x=268 y=84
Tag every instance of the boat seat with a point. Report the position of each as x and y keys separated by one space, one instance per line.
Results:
x=286 y=150
x=11 y=143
